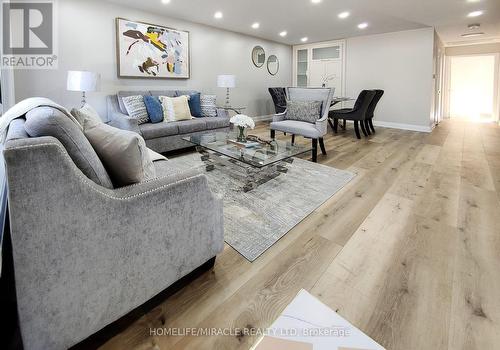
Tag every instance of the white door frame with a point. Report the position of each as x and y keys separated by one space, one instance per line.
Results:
x=496 y=83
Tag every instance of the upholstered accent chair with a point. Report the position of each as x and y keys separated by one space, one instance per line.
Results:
x=371 y=110
x=356 y=114
x=279 y=98
x=314 y=131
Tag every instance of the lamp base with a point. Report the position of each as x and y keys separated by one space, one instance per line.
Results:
x=228 y=104
x=83 y=99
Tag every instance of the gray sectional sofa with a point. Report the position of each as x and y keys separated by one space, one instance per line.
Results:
x=163 y=137
x=86 y=254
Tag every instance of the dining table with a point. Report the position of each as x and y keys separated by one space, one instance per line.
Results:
x=337 y=100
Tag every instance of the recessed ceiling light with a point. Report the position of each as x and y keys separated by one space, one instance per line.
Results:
x=343 y=15
x=218 y=15
x=473 y=1
x=315 y=1
x=283 y=33
x=256 y=25
x=304 y=39
x=468 y=35
x=362 y=25
x=475 y=14
x=165 y=1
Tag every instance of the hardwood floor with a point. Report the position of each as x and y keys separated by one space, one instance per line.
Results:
x=409 y=251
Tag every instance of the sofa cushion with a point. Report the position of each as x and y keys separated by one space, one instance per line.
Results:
x=123 y=152
x=153 y=131
x=157 y=93
x=193 y=125
x=48 y=121
x=194 y=104
x=154 y=108
x=208 y=105
x=185 y=92
x=216 y=122
x=136 y=108
x=87 y=112
x=122 y=94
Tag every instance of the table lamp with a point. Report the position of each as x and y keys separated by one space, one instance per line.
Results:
x=226 y=81
x=82 y=81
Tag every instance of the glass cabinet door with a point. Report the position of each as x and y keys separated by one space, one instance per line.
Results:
x=302 y=66
x=326 y=53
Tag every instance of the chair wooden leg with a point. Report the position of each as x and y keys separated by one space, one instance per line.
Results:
x=315 y=150
x=293 y=139
x=367 y=126
x=273 y=134
x=331 y=124
x=335 y=125
x=370 y=121
x=322 y=146
x=362 y=123
x=356 y=129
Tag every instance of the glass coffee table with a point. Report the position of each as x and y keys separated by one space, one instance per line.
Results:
x=254 y=165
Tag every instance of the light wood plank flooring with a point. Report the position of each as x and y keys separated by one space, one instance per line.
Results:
x=409 y=251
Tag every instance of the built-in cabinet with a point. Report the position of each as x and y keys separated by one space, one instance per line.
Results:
x=320 y=64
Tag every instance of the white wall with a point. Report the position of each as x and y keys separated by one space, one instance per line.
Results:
x=401 y=63
x=87 y=42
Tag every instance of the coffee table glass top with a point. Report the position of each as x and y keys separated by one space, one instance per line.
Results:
x=261 y=155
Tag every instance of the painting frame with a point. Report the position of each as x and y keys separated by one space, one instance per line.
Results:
x=185 y=76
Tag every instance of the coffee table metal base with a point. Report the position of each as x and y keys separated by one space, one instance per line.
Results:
x=250 y=176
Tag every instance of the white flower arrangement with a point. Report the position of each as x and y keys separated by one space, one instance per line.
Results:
x=242 y=121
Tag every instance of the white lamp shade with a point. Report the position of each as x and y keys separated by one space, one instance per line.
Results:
x=82 y=81
x=226 y=81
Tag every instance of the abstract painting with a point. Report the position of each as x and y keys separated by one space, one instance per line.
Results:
x=151 y=51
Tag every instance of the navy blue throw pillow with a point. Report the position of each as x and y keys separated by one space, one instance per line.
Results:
x=154 y=108
x=195 y=104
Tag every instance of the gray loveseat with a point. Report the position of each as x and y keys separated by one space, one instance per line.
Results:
x=163 y=137
x=85 y=254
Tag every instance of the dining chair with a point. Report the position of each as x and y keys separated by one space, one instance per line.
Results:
x=314 y=131
x=371 y=109
x=278 y=95
x=356 y=114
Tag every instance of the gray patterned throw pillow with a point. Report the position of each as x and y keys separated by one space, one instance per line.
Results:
x=304 y=111
x=136 y=108
x=208 y=106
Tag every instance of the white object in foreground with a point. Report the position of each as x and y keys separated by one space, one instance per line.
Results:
x=243 y=121
x=308 y=320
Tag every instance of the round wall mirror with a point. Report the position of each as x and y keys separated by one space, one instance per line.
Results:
x=258 y=56
x=273 y=65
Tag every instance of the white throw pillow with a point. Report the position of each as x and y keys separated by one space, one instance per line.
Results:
x=136 y=108
x=123 y=153
x=86 y=113
x=175 y=108
x=208 y=105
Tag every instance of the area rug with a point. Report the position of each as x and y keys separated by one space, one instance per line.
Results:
x=255 y=220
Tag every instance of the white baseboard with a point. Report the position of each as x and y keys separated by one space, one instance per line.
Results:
x=401 y=126
x=263 y=118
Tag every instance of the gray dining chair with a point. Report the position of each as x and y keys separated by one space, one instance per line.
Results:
x=314 y=131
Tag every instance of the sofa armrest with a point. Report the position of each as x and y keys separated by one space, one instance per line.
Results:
x=119 y=120
x=98 y=253
x=279 y=117
x=221 y=112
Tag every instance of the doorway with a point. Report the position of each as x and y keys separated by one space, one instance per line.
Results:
x=473 y=87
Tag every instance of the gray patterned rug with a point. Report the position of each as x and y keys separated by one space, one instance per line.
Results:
x=255 y=220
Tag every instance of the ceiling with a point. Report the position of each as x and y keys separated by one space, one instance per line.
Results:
x=319 y=22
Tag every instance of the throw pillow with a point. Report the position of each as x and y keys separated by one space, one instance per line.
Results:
x=304 y=111
x=208 y=105
x=195 y=104
x=124 y=153
x=136 y=108
x=87 y=112
x=153 y=106
x=48 y=121
x=175 y=108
